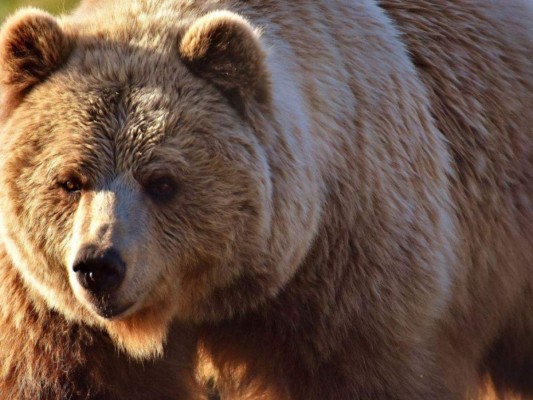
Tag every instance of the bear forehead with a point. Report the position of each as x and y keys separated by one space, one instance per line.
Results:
x=119 y=103
x=124 y=92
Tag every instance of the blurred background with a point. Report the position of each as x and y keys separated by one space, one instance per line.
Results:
x=53 y=6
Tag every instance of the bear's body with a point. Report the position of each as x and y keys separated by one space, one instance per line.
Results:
x=336 y=197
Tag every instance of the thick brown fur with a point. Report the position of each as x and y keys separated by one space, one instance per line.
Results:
x=353 y=211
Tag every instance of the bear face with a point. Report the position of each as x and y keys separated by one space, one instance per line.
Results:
x=137 y=187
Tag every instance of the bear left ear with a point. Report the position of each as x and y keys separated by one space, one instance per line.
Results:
x=224 y=49
x=32 y=46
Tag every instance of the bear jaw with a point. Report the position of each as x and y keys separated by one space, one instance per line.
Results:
x=142 y=335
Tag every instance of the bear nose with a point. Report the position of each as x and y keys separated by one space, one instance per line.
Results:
x=100 y=274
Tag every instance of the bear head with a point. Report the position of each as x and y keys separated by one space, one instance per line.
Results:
x=136 y=184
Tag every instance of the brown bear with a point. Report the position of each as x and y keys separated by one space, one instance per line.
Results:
x=316 y=199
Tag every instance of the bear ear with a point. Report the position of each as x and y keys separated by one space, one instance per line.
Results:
x=224 y=49
x=32 y=46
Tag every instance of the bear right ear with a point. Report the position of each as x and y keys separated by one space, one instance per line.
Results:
x=32 y=47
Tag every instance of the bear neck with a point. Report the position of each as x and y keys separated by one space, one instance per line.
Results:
x=285 y=345
x=270 y=339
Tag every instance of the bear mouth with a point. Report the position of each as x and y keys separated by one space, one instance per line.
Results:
x=107 y=310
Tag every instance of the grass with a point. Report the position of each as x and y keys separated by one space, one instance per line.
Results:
x=53 y=6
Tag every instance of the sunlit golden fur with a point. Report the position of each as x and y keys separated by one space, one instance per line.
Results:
x=353 y=210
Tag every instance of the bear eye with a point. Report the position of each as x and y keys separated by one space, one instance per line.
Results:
x=162 y=188
x=72 y=185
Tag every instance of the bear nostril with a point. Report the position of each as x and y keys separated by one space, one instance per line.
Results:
x=101 y=274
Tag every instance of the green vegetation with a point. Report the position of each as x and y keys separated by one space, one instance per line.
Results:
x=53 y=6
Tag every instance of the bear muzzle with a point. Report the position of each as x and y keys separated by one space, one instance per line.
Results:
x=101 y=275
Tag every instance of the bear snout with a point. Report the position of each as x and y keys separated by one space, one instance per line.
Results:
x=100 y=274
